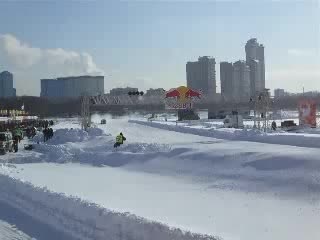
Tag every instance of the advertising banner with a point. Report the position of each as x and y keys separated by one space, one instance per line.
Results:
x=307 y=113
x=181 y=98
x=177 y=105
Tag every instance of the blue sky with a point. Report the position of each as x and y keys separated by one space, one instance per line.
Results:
x=147 y=43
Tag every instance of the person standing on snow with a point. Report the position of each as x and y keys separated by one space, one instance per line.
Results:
x=45 y=134
x=119 y=140
x=15 y=143
x=50 y=133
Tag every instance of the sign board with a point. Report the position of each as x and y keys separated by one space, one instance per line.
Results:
x=181 y=98
x=178 y=105
x=307 y=113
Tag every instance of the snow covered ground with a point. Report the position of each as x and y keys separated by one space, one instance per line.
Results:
x=10 y=232
x=16 y=225
x=302 y=138
x=223 y=187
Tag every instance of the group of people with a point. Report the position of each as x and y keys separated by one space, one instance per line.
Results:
x=28 y=127
x=17 y=134
x=45 y=124
x=24 y=124
x=19 y=129
x=31 y=132
x=47 y=134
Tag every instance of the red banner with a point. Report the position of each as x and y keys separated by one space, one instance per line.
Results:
x=307 y=113
x=181 y=98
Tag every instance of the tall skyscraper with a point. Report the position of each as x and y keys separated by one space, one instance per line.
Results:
x=255 y=60
x=201 y=75
x=241 y=81
x=226 y=79
x=256 y=84
x=6 y=85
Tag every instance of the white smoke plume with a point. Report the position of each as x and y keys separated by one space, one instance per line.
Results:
x=25 y=60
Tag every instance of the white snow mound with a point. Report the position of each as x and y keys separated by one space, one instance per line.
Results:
x=251 y=135
x=83 y=220
x=65 y=135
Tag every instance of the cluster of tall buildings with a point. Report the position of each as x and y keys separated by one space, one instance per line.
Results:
x=72 y=87
x=64 y=87
x=240 y=80
x=6 y=85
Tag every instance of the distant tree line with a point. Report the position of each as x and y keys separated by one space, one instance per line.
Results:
x=44 y=107
x=41 y=106
x=286 y=102
x=291 y=102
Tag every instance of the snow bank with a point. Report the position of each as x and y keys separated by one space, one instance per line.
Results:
x=95 y=132
x=252 y=135
x=92 y=147
x=65 y=135
x=8 y=231
x=91 y=152
x=83 y=220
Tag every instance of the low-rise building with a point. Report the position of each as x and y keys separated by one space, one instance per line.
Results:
x=155 y=92
x=279 y=93
x=122 y=91
x=72 y=87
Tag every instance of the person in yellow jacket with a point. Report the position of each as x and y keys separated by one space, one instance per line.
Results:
x=119 y=140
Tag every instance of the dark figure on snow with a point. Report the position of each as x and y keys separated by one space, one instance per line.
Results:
x=45 y=134
x=274 y=126
x=28 y=133
x=50 y=133
x=34 y=131
x=15 y=143
x=119 y=140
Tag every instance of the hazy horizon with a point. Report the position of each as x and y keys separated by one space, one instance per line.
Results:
x=146 y=44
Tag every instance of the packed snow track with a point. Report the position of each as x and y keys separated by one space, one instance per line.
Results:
x=165 y=184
